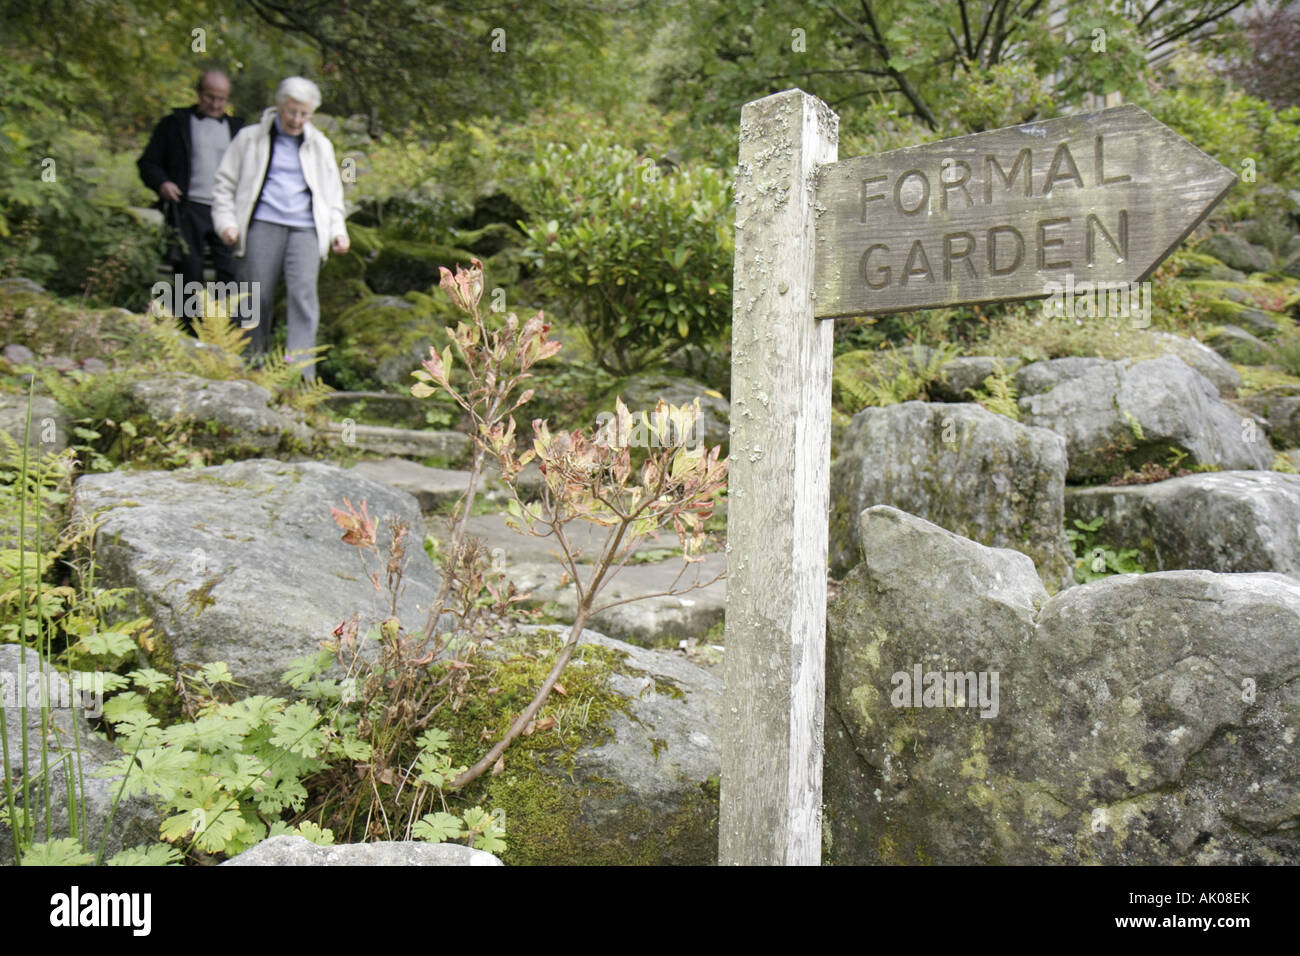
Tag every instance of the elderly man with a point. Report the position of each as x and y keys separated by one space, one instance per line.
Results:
x=279 y=202
x=180 y=164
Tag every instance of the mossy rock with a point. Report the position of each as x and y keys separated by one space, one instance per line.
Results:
x=403 y=265
x=1255 y=321
x=380 y=340
x=1244 y=290
x=490 y=239
x=1238 y=253
x=48 y=327
x=1237 y=345
x=1200 y=265
x=627 y=775
x=337 y=295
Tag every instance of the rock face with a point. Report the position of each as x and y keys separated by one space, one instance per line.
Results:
x=1227 y=521
x=1141 y=719
x=640 y=789
x=1236 y=252
x=1039 y=377
x=49 y=431
x=966 y=469
x=134 y=822
x=651 y=621
x=299 y=851
x=242 y=563
x=1119 y=415
x=237 y=409
x=1280 y=407
x=1200 y=357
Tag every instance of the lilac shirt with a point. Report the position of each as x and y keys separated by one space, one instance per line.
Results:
x=286 y=200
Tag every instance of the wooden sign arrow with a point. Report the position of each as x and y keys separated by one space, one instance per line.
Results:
x=1099 y=197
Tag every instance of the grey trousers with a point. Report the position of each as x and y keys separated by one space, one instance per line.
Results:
x=269 y=250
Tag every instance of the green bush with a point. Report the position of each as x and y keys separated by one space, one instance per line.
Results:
x=1259 y=143
x=64 y=220
x=641 y=257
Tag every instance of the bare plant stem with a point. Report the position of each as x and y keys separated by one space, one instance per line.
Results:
x=522 y=721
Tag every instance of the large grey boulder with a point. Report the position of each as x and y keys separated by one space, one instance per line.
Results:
x=72 y=748
x=1120 y=415
x=49 y=422
x=299 y=851
x=1227 y=521
x=921 y=596
x=1039 y=377
x=641 y=786
x=969 y=470
x=1141 y=719
x=1197 y=355
x=233 y=415
x=1280 y=407
x=242 y=563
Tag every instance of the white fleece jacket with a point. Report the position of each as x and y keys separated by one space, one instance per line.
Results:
x=243 y=170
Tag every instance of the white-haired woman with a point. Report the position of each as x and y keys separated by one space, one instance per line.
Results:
x=278 y=200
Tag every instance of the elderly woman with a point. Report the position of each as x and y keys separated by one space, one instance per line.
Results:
x=278 y=200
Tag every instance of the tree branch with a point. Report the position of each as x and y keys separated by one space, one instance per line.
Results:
x=877 y=39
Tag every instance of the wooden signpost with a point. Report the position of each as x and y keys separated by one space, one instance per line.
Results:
x=1102 y=197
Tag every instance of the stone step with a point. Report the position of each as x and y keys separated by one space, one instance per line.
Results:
x=437 y=489
x=450 y=446
x=530 y=563
x=434 y=488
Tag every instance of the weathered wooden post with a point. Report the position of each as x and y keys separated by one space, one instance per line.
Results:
x=1016 y=213
x=778 y=493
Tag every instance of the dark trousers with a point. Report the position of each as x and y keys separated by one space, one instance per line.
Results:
x=196 y=232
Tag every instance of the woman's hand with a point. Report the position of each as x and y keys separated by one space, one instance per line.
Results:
x=340 y=245
x=230 y=235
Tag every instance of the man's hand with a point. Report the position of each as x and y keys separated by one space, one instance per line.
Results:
x=170 y=191
x=230 y=235
x=340 y=245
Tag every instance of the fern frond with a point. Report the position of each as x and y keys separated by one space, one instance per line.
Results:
x=283 y=378
x=998 y=394
x=308 y=394
x=217 y=329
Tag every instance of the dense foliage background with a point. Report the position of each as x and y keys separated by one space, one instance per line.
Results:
x=466 y=115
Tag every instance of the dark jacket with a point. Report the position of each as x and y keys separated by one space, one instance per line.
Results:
x=167 y=157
